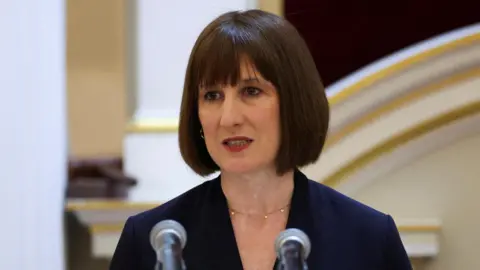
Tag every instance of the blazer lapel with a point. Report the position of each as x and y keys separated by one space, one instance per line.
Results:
x=307 y=213
x=222 y=247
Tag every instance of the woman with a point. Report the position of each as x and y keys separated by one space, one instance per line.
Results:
x=254 y=109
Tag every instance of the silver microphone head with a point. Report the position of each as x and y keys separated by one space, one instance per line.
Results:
x=164 y=227
x=293 y=235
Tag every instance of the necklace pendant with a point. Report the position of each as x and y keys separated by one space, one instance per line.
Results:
x=266 y=216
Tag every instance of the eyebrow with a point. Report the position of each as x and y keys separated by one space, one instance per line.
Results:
x=247 y=80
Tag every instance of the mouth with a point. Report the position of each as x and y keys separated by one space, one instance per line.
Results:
x=236 y=144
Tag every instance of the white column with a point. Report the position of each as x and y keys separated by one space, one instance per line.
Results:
x=164 y=33
x=33 y=144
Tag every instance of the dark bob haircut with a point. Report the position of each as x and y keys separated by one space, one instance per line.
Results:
x=279 y=53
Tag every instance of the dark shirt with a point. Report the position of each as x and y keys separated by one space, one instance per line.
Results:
x=344 y=234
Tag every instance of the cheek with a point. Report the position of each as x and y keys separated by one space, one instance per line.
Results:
x=269 y=120
x=207 y=121
x=275 y=123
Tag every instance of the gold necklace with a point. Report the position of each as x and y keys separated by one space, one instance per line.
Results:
x=281 y=210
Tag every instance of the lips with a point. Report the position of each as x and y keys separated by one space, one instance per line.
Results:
x=237 y=141
x=237 y=144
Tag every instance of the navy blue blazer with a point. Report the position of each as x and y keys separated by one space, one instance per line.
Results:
x=345 y=234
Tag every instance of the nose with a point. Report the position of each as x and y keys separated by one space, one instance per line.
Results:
x=232 y=115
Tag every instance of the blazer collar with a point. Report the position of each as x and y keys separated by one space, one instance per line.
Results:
x=222 y=247
x=302 y=213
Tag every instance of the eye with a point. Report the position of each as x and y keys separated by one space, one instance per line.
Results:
x=251 y=91
x=212 y=95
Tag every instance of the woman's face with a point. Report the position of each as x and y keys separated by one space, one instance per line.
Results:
x=241 y=123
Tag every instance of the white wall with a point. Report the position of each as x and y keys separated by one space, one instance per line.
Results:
x=443 y=184
x=33 y=136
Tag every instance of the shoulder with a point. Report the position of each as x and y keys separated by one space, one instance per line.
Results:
x=343 y=207
x=133 y=250
x=369 y=231
x=348 y=216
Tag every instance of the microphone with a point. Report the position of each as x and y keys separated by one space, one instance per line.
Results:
x=168 y=238
x=292 y=247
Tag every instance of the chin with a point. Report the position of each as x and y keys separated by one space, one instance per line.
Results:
x=239 y=167
x=238 y=170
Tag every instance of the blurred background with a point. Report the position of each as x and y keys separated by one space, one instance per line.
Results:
x=91 y=94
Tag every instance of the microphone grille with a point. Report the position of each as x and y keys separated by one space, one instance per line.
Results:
x=294 y=235
x=168 y=226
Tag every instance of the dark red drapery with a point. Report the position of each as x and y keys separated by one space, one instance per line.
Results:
x=345 y=35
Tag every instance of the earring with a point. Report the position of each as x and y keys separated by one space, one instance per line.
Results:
x=201 y=133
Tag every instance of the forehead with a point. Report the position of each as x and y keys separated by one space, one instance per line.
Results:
x=235 y=73
x=249 y=71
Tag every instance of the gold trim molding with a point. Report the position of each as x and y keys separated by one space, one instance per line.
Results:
x=401 y=66
x=153 y=126
x=396 y=141
x=118 y=227
x=108 y=205
x=106 y=228
x=419 y=228
x=399 y=102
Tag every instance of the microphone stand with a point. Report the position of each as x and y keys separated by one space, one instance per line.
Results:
x=291 y=257
x=171 y=254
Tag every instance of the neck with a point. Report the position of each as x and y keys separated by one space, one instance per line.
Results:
x=257 y=193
